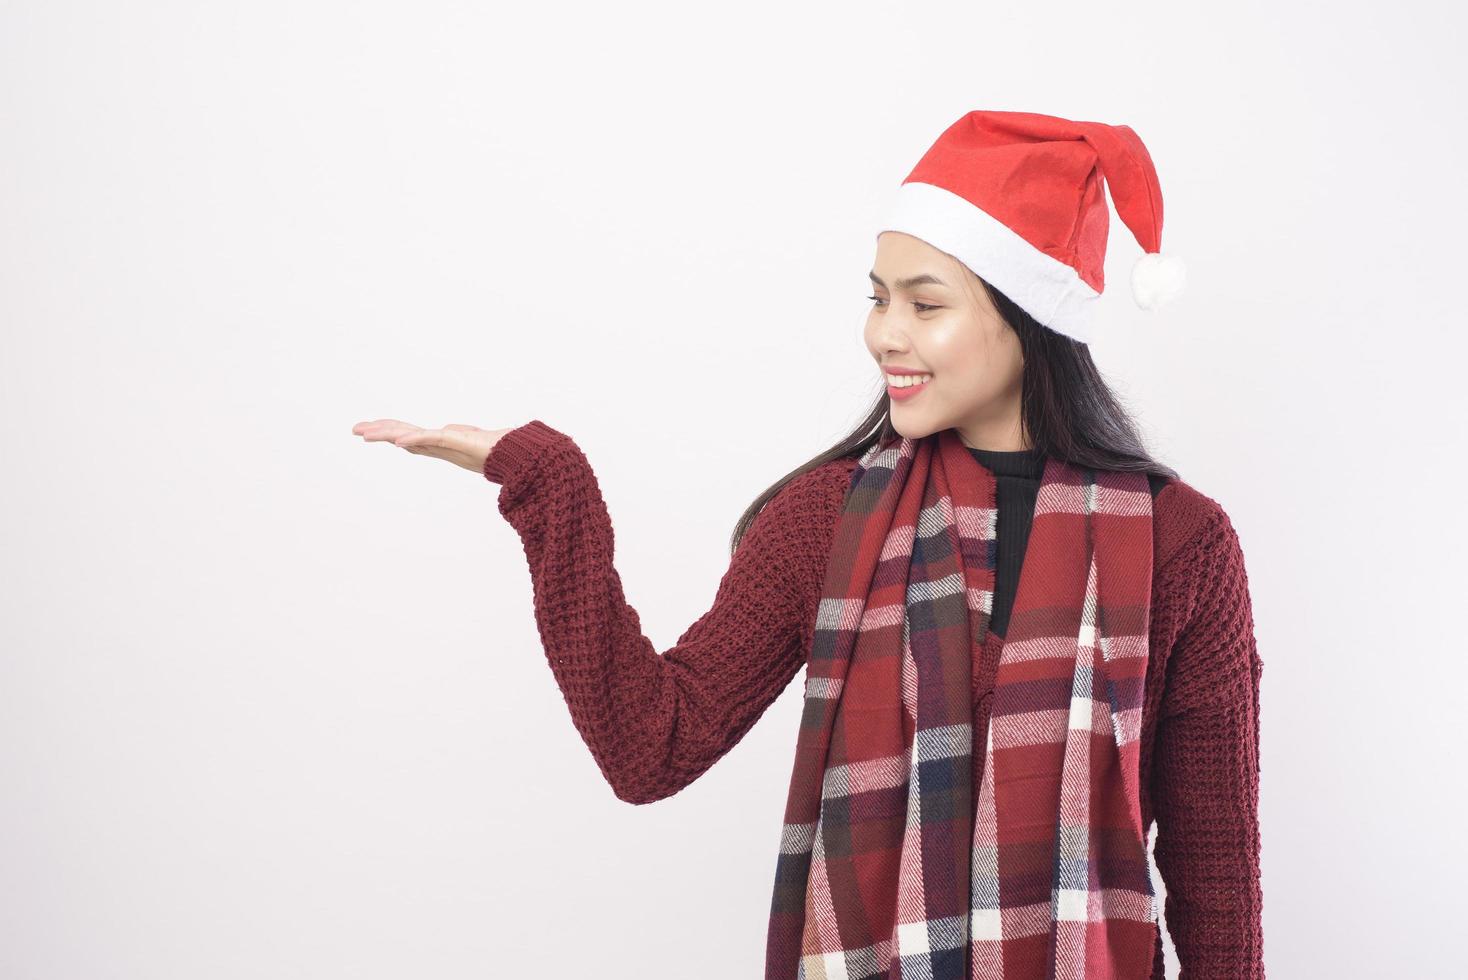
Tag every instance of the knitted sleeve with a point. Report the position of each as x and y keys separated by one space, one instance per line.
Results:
x=1206 y=770
x=654 y=722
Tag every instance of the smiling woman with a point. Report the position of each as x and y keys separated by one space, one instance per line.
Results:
x=1000 y=378
x=1025 y=639
x=952 y=334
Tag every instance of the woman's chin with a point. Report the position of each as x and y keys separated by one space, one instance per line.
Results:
x=912 y=428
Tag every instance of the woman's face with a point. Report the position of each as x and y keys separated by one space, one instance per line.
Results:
x=931 y=314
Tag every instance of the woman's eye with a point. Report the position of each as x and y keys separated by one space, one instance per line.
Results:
x=921 y=307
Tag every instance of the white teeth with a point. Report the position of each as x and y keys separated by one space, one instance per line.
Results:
x=907 y=380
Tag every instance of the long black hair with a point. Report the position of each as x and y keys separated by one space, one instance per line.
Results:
x=1067 y=410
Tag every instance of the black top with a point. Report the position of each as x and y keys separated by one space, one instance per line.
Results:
x=1017 y=476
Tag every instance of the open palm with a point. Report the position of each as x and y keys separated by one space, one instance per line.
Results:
x=462 y=445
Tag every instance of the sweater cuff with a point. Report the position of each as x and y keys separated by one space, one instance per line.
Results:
x=516 y=448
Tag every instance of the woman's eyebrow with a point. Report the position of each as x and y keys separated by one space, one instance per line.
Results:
x=905 y=284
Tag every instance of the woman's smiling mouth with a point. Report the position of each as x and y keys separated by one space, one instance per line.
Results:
x=904 y=386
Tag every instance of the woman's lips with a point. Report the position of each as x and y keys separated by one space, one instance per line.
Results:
x=902 y=394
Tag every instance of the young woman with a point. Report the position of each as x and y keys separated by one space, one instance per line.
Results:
x=1025 y=640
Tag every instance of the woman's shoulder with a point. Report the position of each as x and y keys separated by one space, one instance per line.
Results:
x=791 y=534
x=1185 y=519
x=1201 y=584
x=798 y=522
x=812 y=494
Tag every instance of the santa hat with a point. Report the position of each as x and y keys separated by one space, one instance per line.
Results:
x=1018 y=197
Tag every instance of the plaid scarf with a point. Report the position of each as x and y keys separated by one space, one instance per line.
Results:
x=888 y=866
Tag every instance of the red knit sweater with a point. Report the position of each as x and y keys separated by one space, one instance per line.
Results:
x=654 y=722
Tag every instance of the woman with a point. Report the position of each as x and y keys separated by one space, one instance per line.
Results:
x=1025 y=640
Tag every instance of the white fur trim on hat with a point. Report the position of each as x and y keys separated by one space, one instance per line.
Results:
x=1045 y=287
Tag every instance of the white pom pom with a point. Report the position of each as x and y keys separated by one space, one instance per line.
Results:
x=1157 y=278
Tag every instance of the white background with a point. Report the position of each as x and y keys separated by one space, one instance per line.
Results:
x=272 y=701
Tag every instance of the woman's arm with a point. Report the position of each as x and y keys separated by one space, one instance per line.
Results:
x=1206 y=771
x=656 y=722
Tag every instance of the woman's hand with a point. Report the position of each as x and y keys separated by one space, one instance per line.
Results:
x=462 y=445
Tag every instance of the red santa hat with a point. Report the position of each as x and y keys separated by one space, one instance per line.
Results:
x=1019 y=198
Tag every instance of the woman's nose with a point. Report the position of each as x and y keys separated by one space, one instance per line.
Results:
x=890 y=335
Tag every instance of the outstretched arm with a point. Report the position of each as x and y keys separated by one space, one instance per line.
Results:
x=655 y=722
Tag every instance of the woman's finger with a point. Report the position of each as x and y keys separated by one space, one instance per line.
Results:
x=382 y=429
x=373 y=424
x=442 y=443
x=420 y=439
